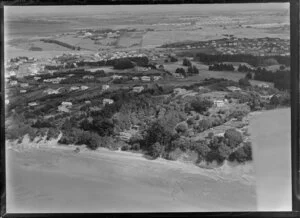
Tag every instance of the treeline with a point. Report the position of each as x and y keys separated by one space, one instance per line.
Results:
x=66 y=45
x=280 y=78
x=247 y=58
x=221 y=67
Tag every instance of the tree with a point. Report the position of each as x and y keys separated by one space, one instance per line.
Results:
x=103 y=127
x=155 y=150
x=186 y=62
x=181 y=71
x=234 y=137
x=248 y=75
x=244 y=82
x=182 y=127
x=124 y=63
x=201 y=104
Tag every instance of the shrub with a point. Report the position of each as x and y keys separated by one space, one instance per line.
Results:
x=244 y=82
x=204 y=125
x=234 y=137
x=155 y=150
x=123 y=64
x=242 y=154
x=214 y=155
x=201 y=105
x=181 y=127
x=186 y=62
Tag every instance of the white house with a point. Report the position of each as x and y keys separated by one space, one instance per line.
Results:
x=66 y=104
x=105 y=87
x=145 y=78
x=31 y=104
x=87 y=102
x=107 y=101
x=73 y=88
x=84 y=87
x=155 y=78
x=23 y=85
x=233 y=88
x=116 y=77
x=138 y=89
x=23 y=91
x=13 y=82
x=219 y=103
x=263 y=85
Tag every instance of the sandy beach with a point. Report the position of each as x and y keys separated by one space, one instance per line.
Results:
x=55 y=179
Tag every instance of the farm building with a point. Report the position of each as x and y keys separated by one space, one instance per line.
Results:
x=107 y=101
x=138 y=89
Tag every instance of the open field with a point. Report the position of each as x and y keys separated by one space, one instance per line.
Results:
x=270 y=135
x=102 y=181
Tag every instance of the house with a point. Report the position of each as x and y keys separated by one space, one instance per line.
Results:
x=233 y=88
x=145 y=78
x=88 y=77
x=138 y=89
x=23 y=91
x=219 y=103
x=13 y=82
x=263 y=85
x=36 y=78
x=84 y=87
x=125 y=136
x=179 y=91
x=87 y=102
x=32 y=104
x=52 y=91
x=116 y=77
x=23 y=85
x=135 y=78
x=66 y=104
x=107 y=101
x=155 y=78
x=73 y=88
x=266 y=97
x=105 y=87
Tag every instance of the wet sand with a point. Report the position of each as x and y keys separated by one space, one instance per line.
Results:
x=270 y=135
x=59 y=180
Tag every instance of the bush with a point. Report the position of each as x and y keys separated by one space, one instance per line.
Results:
x=234 y=137
x=42 y=124
x=201 y=105
x=242 y=154
x=155 y=150
x=244 y=82
x=204 y=125
x=123 y=64
x=214 y=155
x=181 y=127
x=186 y=62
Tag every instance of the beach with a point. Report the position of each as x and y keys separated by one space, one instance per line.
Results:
x=55 y=179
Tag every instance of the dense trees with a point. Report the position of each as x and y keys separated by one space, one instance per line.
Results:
x=123 y=64
x=201 y=105
x=244 y=82
x=221 y=67
x=186 y=62
x=234 y=137
x=246 y=58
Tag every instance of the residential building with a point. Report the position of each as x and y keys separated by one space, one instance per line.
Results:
x=219 y=103
x=23 y=91
x=105 y=87
x=84 y=87
x=32 y=104
x=73 y=88
x=155 y=78
x=138 y=89
x=145 y=78
x=233 y=88
x=107 y=101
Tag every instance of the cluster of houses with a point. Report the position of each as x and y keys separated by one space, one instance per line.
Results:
x=104 y=56
x=139 y=78
x=257 y=46
x=56 y=80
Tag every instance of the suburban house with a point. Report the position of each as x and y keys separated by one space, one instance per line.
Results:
x=32 y=104
x=88 y=77
x=125 y=136
x=138 y=89
x=263 y=85
x=23 y=85
x=145 y=78
x=233 y=88
x=107 y=101
x=73 y=88
x=105 y=87
x=155 y=78
x=13 y=82
x=179 y=91
x=219 y=103
x=116 y=77
x=84 y=87
x=66 y=104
